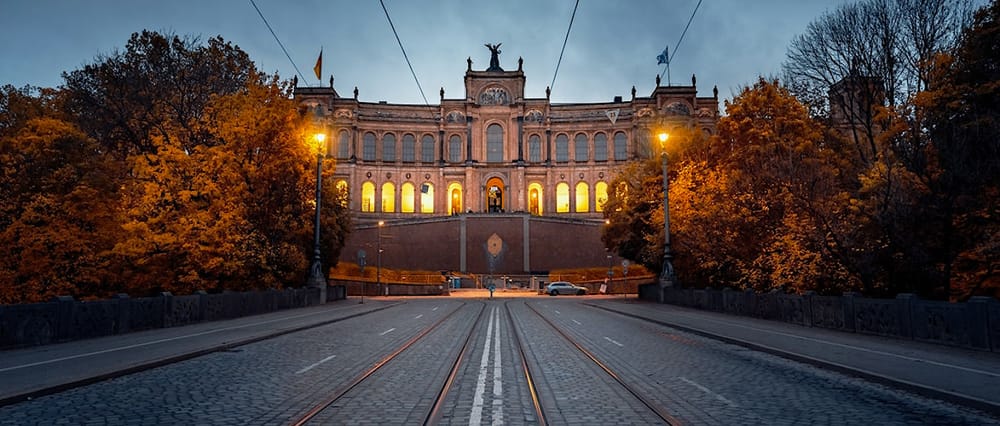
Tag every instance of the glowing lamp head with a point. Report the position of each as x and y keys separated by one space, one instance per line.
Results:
x=663 y=139
x=381 y=222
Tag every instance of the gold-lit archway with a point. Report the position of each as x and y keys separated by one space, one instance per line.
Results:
x=494 y=195
x=535 y=200
x=454 y=198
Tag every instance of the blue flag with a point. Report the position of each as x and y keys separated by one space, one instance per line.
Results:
x=663 y=58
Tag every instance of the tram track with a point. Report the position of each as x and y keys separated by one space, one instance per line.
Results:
x=651 y=404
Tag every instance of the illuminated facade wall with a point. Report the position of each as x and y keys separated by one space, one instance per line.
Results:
x=492 y=150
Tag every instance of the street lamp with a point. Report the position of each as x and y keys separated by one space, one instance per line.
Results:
x=378 y=262
x=316 y=276
x=667 y=278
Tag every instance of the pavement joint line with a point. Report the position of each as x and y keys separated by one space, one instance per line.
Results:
x=12 y=399
x=990 y=407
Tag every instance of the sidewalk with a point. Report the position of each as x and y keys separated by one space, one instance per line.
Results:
x=962 y=376
x=41 y=370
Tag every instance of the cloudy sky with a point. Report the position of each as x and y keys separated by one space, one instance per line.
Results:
x=612 y=45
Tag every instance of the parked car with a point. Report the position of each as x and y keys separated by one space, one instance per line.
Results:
x=564 y=287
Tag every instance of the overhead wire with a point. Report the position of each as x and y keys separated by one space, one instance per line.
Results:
x=278 y=40
x=563 y=50
x=670 y=55
x=404 y=52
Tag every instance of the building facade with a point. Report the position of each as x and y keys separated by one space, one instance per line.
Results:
x=493 y=150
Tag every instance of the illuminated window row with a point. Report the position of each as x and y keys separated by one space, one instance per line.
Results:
x=411 y=202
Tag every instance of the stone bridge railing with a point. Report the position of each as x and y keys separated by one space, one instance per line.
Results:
x=973 y=324
x=65 y=319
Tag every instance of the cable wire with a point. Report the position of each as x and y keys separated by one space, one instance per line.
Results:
x=672 y=54
x=553 y=84
x=279 y=41
x=404 y=52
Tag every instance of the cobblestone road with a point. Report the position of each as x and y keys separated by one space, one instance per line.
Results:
x=699 y=380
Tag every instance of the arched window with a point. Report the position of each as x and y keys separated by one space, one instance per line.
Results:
x=368 y=148
x=343 y=145
x=388 y=197
x=600 y=196
x=494 y=144
x=535 y=201
x=426 y=198
x=562 y=149
x=581 y=148
x=562 y=198
x=409 y=148
x=342 y=192
x=406 y=198
x=535 y=149
x=427 y=149
x=621 y=147
x=582 y=197
x=455 y=198
x=455 y=149
x=368 y=197
x=600 y=147
x=389 y=147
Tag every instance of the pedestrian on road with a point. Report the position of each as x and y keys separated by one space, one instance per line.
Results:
x=491 y=287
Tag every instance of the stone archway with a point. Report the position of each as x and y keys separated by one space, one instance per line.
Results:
x=494 y=195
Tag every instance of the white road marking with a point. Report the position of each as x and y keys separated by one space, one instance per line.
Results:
x=497 y=376
x=857 y=348
x=558 y=313
x=707 y=390
x=418 y=316
x=315 y=364
x=577 y=322
x=435 y=308
x=139 y=345
x=387 y=331
x=613 y=341
x=476 y=417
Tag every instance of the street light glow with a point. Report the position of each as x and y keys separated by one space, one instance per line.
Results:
x=663 y=139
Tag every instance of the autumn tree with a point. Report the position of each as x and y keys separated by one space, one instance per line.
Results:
x=57 y=219
x=169 y=166
x=964 y=175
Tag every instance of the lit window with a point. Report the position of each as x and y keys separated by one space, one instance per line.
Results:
x=368 y=197
x=600 y=147
x=562 y=198
x=582 y=197
x=535 y=199
x=342 y=192
x=454 y=198
x=581 y=148
x=388 y=197
x=406 y=198
x=600 y=196
x=426 y=198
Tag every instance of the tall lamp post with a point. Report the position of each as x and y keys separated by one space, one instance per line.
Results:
x=378 y=262
x=316 y=276
x=667 y=278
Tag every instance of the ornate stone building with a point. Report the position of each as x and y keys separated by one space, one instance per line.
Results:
x=493 y=150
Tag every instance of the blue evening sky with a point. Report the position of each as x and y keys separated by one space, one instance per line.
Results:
x=613 y=44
